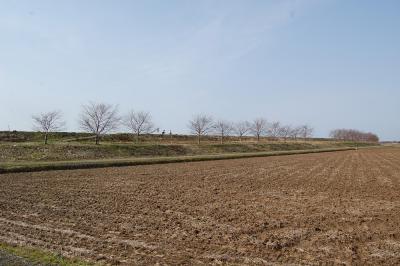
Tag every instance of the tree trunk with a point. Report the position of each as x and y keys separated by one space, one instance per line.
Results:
x=198 y=139
x=45 y=138
x=97 y=139
x=258 y=137
x=137 y=137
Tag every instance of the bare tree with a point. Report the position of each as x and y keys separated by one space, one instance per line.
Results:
x=223 y=128
x=139 y=123
x=284 y=132
x=306 y=131
x=259 y=127
x=99 y=119
x=242 y=128
x=200 y=125
x=48 y=122
x=309 y=132
x=273 y=129
x=295 y=132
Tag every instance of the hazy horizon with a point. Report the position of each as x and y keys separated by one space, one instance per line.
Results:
x=330 y=64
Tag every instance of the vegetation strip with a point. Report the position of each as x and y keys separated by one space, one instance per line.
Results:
x=64 y=165
x=31 y=255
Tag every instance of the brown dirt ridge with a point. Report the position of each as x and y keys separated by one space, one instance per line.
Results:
x=337 y=208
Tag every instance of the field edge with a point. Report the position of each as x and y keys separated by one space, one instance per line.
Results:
x=21 y=167
x=27 y=255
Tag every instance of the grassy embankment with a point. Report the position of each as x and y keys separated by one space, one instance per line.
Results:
x=23 y=151
x=83 y=164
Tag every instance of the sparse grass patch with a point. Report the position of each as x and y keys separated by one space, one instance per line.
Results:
x=40 y=256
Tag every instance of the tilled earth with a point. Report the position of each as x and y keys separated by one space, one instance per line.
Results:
x=327 y=208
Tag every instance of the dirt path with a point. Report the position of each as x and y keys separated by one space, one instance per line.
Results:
x=333 y=208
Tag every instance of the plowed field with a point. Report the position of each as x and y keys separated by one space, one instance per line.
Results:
x=333 y=208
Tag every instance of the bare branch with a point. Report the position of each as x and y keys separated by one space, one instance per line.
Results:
x=295 y=132
x=200 y=125
x=284 y=132
x=259 y=127
x=223 y=128
x=48 y=122
x=273 y=129
x=242 y=128
x=99 y=119
x=305 y=131
x=139 y=123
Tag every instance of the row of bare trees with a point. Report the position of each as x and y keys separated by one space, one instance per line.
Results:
x=100 y=118
x=353 y=135
x=202 y=125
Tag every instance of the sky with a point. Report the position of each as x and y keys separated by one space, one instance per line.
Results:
x=327 y=63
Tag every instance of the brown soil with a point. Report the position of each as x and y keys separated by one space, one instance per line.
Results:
x=330 y=208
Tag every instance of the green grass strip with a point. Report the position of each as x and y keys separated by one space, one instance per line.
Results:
x=19 y=167
x=33 y=255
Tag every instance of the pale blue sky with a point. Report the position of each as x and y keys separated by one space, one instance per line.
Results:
x=331 y=64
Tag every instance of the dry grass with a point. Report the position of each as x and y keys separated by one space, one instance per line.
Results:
x=18 y=167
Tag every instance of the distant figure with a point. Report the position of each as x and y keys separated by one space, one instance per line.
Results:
x=162 y=134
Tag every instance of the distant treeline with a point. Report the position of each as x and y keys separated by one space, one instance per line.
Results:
x=98 y=119
x=82 y=137
x=353 y=135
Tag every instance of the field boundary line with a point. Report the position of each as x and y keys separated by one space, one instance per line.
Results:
x=87 y=164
